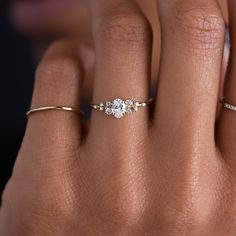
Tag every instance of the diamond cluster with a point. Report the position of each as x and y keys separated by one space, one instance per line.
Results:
x=229 y=106
x=118 y=107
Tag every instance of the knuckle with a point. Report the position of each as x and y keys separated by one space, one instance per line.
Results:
x=201 y=27
x=184 y=219
x=124 y=211
x=56 y=73
x=192 y=206
x=124 y=27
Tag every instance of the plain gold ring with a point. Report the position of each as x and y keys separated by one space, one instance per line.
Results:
x=58 y=108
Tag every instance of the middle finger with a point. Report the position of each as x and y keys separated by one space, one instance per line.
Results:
x=193 y=39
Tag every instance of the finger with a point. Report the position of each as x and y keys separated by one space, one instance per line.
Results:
x=58 y=82
x=224 y=6
x=122 y=38
x=226 y=135
x=192 y=47
x=150 y=11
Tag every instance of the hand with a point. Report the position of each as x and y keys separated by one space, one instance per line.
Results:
x=161 y=171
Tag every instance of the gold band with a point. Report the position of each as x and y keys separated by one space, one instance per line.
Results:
x=59 y=108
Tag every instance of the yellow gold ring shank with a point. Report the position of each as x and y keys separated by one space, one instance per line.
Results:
x=59 y=108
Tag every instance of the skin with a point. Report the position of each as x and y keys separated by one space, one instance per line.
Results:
x=168 y=169
x=46 y=21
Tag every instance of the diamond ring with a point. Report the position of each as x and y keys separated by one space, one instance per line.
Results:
x=228 y=105
x=118 y=107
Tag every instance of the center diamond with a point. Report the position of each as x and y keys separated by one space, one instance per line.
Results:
x=118 y=108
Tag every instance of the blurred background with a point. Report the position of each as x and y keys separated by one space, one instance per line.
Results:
x=17 y=76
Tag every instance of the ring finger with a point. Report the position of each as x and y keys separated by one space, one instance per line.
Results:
x=123 y=50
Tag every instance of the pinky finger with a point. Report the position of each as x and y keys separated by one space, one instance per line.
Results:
x=226 y=135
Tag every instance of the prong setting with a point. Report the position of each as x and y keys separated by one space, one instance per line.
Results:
x=119 y=108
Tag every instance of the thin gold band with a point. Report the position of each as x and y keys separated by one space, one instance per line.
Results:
x=59 y=108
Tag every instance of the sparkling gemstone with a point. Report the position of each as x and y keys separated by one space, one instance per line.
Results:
x=129 y=109
x=129 y=102
x=118 y=108
x=108 y=111
x=108 y=103
x=129 y=105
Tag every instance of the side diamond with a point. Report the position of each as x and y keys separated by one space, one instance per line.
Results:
x=108 y=111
